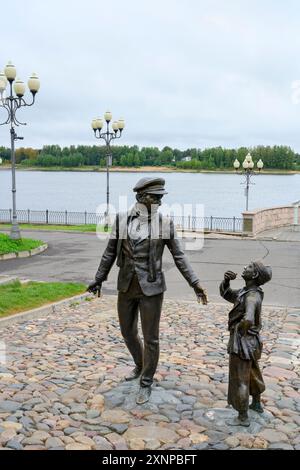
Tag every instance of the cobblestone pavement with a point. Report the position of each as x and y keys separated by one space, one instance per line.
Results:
x=61 y=385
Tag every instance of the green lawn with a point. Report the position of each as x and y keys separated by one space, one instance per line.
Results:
x=75 y=228
x=12 y=246
x=16 y=297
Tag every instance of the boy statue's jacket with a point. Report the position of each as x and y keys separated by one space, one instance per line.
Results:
x=247 y=308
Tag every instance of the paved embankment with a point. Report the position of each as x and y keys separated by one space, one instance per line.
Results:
x=62 y=387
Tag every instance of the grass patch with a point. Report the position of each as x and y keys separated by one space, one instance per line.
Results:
x=12 y=246
x=16 y=297
x=75 y=228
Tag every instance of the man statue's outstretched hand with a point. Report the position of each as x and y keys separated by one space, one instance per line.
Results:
x=200 y=293
x=95 y=288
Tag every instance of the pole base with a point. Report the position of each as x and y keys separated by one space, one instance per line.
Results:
x=15 y=233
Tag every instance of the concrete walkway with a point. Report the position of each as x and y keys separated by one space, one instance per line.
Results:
x=62 y=382
x=75 y=257
x=287 y=234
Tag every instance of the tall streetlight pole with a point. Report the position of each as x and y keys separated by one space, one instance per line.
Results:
x=248 y=172
x=12 y=103
x=107 y=136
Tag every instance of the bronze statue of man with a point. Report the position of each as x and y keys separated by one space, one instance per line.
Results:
x=245 y=345
x=137 y=243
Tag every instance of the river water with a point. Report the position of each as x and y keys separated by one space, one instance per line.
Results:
x=221 y=194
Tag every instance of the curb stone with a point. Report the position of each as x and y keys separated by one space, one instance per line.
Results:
x=7 y=279
x=25 y=254
x=188 y=233
x=43 y=310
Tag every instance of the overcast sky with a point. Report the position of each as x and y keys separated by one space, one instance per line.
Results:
x=192 y=73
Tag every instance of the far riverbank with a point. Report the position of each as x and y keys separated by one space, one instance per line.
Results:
x=141 y=169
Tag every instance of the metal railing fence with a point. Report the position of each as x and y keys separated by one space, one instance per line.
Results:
x=49 y=217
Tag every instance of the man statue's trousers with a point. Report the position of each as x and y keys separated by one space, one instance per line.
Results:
x=129 y=304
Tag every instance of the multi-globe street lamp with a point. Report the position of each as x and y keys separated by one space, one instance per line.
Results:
x=108 y=136
x=11 y=102
x=248 y=172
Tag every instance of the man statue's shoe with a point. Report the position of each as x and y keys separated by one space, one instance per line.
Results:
x=134 y=374
x=143 y=395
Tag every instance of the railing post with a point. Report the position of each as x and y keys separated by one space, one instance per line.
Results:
x=84 y=217
x=28 y=216
x=172 y=218
x=211 y=222
x=47 y=216
x=233 y=224
x=189 y=222
x=10 y=215
x=182 y=223
x=66 y=217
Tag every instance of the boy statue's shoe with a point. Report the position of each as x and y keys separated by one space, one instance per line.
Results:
x=256 y=406
x=143 y=395
x=238 y=422
x=134 y=374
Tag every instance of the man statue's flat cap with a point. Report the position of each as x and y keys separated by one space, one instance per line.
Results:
x=151 y=186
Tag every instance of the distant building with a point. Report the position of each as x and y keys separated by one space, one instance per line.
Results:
x=187 y=159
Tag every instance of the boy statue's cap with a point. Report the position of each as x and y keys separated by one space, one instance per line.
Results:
x=264 y=272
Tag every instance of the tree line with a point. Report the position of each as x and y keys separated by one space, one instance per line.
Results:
x=217 y=158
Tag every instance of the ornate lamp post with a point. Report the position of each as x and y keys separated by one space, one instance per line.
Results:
x=12 y=103
x=107 y=136
x=248 y=171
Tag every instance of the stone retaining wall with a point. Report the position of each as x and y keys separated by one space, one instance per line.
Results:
x=266 y=219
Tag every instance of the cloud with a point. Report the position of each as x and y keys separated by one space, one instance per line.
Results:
x=195 y=73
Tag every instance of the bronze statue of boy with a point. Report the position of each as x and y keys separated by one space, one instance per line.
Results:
x=245 y=344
